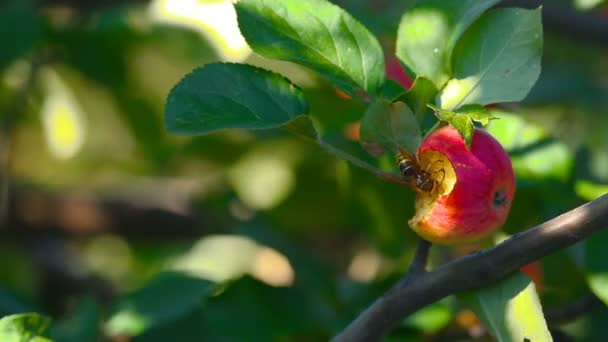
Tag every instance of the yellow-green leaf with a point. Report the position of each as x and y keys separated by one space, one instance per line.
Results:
x=510 y=310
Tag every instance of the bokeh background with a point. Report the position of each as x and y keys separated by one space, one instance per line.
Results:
x=120 y=231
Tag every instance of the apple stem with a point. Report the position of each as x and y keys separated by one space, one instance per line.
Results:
x=418 y=265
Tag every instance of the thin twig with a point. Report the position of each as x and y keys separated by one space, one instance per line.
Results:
x=477 y=270
x=313 y=137
x=386 y=176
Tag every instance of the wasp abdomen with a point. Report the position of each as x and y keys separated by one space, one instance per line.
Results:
x=406 y=168
x=419 y=179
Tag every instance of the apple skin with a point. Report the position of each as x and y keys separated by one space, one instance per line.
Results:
x=479 y=201
x=395 y=72
x=534 y=270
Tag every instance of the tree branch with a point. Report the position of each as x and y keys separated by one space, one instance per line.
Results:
x=477 y=270
x=417 y=268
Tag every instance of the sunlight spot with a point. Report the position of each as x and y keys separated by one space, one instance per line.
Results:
x=586 y=4
x=262 y=180
x=599 y=284
x=426 y=26
x=272 y=267
x=508 y=130
x=61 y=117
x=365 y=266
x=110 y=256
x=218 y=258
x=430 y=319
x=544 y=161
x=456 y=90
x=589 y=190
x=214 y=19
x=224 y=257
x=126 y=321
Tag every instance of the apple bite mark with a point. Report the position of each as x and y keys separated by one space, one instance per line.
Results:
x=476 y=195
x=442 y=173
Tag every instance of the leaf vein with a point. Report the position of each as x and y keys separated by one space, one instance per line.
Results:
x=488 y=67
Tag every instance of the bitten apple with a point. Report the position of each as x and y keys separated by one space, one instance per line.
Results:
x=476 y=189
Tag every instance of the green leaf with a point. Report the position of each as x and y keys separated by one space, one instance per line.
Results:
x=386 y=127
x=428 y=32
x=26 y=327
x=224 y=95
x=464 y=126
x=19 y=30
x=462 y=123
x=317 y=34
x=81 y=325
x=463 y=118
x=497 y=59
x=510 y=310
x=423 y=91
x=391 y=90
x=588 y=190
x=477 y=113
x=248 y=310
x=595 y=265
x=586 y=5
x=151 y=305
x=430 y=319
x=303 y=127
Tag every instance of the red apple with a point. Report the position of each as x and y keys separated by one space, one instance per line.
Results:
x=534 y=270
x=395 y=72
x=476 y=189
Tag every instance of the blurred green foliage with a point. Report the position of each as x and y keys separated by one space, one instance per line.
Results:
x=29 y=327
x=318 y=239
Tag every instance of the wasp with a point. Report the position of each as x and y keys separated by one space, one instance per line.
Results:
x=420 y=179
